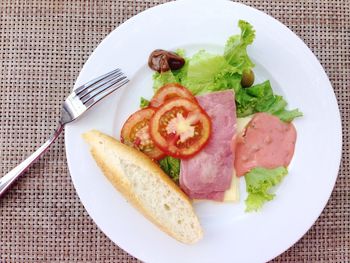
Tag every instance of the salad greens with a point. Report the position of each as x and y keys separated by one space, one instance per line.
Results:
x=259 y=182
x=260 y=98
x=171 y=166
x=160 y=79
x=205 y=72
x=144 y=102
x=236 y=47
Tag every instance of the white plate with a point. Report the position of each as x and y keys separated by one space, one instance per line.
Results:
x=230 y=233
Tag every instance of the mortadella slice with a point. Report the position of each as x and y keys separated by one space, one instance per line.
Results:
x=267 y=142
x=208 y=174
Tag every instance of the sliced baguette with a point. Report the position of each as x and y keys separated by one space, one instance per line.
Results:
x=146 y=186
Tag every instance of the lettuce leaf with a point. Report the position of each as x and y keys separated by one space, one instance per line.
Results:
x=236 y=47
x=181 y=52
x=171 y=166
x=260 y=98
x=144 y=102
x=207 y=73
x=259 y=182
x=288 y=115
x=160 y=79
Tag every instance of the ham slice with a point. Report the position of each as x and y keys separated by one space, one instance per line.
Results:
x=208 y=174
x=267 y=142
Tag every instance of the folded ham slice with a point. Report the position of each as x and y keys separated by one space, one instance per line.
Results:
x=208 y=174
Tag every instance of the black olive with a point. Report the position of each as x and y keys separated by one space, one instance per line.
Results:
x=162 y=61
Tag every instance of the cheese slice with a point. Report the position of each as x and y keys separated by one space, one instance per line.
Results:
x=242 y=123
x=232 y=194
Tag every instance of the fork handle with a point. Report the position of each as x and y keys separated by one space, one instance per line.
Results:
x=7 y=180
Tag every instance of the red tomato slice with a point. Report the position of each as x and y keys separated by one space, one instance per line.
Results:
x=135 y=133
x=171 y=91
x=180 y=128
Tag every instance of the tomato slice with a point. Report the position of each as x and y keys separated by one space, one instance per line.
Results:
x=171 y=91
x=135 y=133
x=180 y=128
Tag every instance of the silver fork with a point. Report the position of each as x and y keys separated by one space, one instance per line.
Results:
x=77 y=103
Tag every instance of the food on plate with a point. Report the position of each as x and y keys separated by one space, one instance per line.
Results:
x=265 y=146
x=232 y=194
x=146 y=186
x=266 y=142
x=170 y=91
x=172 y=122
x=144 y=103
x=259 y=182
x=209 y=173
x=247 y=78
x=180 y=128
x=171 y=166
x=205 y=72
x=162 y=60
x=260 y=98
x=214 y=124
x=135 y=133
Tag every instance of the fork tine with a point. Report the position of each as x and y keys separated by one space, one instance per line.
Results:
x=95 y=87
x=110 y=88
x=95 y=81
x=101 y=89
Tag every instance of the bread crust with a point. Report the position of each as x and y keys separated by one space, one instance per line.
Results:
x=117 y=179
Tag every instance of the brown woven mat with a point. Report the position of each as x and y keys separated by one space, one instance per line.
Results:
x=43 y=45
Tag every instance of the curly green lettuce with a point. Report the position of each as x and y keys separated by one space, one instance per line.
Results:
x=171 y=166
x=207 y=73
x=236 y=47
x=260 y=98
x=144 y=103
x=259 y=182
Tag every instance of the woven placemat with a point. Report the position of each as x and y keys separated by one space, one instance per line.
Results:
x=43 y=45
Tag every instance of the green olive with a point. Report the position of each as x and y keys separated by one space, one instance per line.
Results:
x=247 y=78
